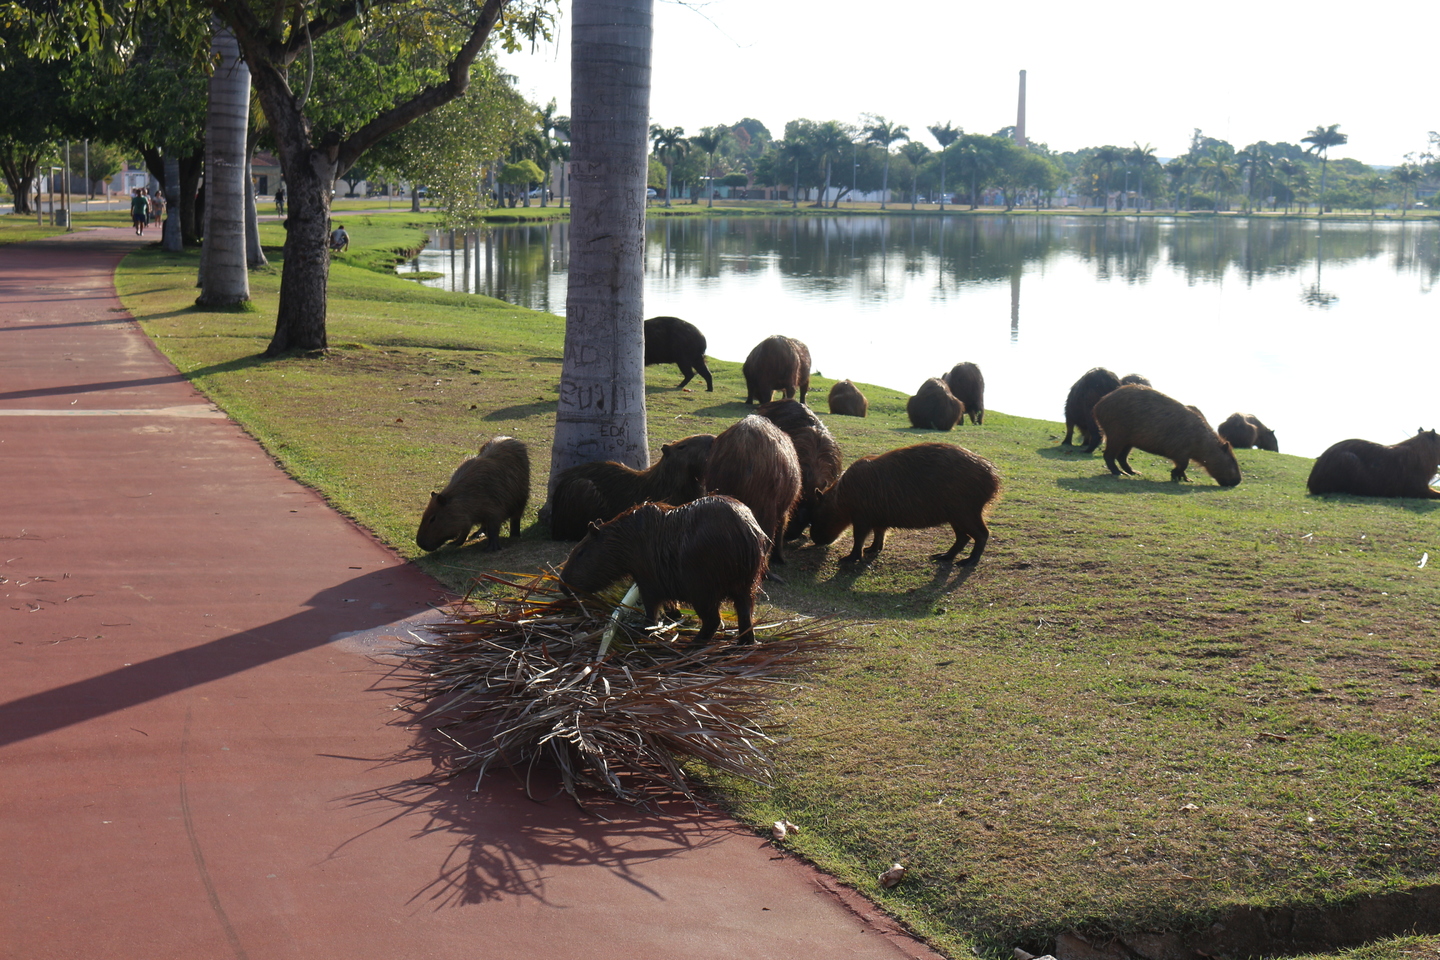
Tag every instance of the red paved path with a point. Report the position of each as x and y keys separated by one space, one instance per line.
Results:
x=188 y=754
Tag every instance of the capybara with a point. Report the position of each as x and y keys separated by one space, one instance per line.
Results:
x=700 y=553
x=1369 y=469
x=816 y=449
x=754 y=461
x=1135 y=416
x=1244 y=430
x=601 y=490
x=846 y=400
x=1080 y=406
x=927 y=485
x=672 y=340
x=934 y=407
x=484 y=491
x=777 y=363
x=1135 y=378
x=967 y=383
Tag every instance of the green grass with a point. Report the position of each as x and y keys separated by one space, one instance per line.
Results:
x=1149 y=703
x=17 y=229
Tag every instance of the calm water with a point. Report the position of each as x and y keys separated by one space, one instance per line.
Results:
x=1324 y=331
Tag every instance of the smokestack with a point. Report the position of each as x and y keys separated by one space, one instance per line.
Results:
x=1020 y=116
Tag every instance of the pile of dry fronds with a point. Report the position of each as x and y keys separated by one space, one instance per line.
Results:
x=530 y=674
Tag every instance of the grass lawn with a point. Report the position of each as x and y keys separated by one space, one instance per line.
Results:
x=1149 y=702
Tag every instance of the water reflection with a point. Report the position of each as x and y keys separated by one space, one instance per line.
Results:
x=1256 y=315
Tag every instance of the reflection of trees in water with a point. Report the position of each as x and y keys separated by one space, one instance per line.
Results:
x=1207 y=249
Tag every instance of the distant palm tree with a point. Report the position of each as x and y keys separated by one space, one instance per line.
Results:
x=1257 y=167
x=944 y=135
x=794 y=152
x=553 y=149
x=915 y=152
x=827 y=143
x=1106 y=157
x=670 y=145
x=708 y=141
x=1178 y=170
x=882 y=133
x=1220 y=170
x=1321 y=139
x=1142 y=158
x=1406 y=176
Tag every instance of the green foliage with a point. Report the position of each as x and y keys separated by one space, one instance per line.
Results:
x=522 y=173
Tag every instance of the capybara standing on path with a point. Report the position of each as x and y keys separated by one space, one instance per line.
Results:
x=846 y=400
x=1135 y=416
x=817 y=451
x=602 y=489
x=967 y=383
x=701 y=553
x=777 y=363
x=1369 y=469
x=754 y=461
x=1080 y=405
x=926 y=485
x=672 y=340
x=1244 y=430
x=484 y=491
x=934 y=407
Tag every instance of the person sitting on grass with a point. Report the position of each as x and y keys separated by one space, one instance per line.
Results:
x=339 y=240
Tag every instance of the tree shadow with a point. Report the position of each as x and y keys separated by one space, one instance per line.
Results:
x=521 y=411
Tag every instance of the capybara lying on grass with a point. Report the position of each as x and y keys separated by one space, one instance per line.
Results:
x=1369 y=469
x=777 y=363
x=926 y=485
x=1244 y=430
x=700 y=553
x=967 y=383
x=846 y=400
x=817 y=451
x=934 y=407
x=484 y=491
x=754 y=461
x=1135 y=416
x=602 y=489
x=672 y=340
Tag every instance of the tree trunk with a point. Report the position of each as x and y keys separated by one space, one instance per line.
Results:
x=224 y=279
x=601 y=414
x=254 y=254
x=170 y=238
x=19 y=171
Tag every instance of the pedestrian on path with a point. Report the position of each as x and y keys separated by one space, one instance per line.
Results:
x=139 y=211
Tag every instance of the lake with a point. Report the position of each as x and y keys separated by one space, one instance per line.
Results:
x=1323 y=330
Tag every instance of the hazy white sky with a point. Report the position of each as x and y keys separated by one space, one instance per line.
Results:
x=1119 y=72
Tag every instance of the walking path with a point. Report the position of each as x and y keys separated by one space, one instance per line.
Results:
x=196 y=751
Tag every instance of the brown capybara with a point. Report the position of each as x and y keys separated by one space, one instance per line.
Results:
x=700 y=553
x=927 y=485
x=672 y=340
x=777 y=363
x=816 y=449
x=1135 y=416
x=1135 y=378
x=1080 y=406
x=755 y=462
x=846 y=400
x=603 y=489
x=967 y=383
x=1244 y=430
x=1369 y=469
x=934 y=407
x=484 y=491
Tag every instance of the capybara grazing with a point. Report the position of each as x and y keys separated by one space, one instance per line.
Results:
x=967 y=383
x=1369 y=469
x=700 y=553
x=846 y=400
x=754 y=461
x=1080 y=406
x=1244 y=430
x=1135 y=416
x=602 y=489
x=927 y=485
x=934 y=407
x=777 y=363
x=817 y=451
x=483 y=492
x=672 y=340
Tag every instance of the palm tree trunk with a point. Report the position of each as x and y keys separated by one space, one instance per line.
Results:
x=885 y=179
x=254 y=253
x=224 y=279
x=170 y=239
x=601 y=414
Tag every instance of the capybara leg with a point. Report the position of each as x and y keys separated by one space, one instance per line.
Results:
x=1092 y=439
x=802 y=394
x=982 y=537
x=777 y=543
x=1069 y=432
x=744 y=620
x=961 y=538
x=689 y=375
x=861 y=532
x=1122 y=456
x=705 y=372
x=709 y=614
x=1110 y=462
x=515 y=527
x=879 y=543
x=1178 y=473
x=492 y=535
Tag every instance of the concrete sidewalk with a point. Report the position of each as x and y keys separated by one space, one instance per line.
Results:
x=197 y=754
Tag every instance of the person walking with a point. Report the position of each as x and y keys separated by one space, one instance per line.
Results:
x=280 y=199
x=139 y=210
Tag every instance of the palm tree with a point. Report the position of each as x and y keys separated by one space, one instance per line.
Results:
x=977 y=158
x=670 y=145
x=1106 y=157
x=1375 y=183
x=708 y=141
x=1219 y=170
x=1321 y=139
x=1257 y=168
x=224 y=277
x=1178 y=170
x=553 y=148
x=915 y=152
x=794 y=152
x=882 y=133
x=944 y=135
x=1406 y=176
x=827 y=143
x=601 y=412
x=1144 y=159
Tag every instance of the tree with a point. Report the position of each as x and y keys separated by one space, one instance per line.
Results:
x=28 y=111
x=915 y=152
x=601 y=414
x=882 y=133
x=556 y=149
x=1375 y=183
x=521 y=174
x=708 y=141
x=827 y=142
x=1104 y=160
x=793 y=151
x=670 y=145
x=224 y=272
x=944 y=135
x=1219 y=171
x=1406 y=176
x=1321 y=139
x=1144 y=161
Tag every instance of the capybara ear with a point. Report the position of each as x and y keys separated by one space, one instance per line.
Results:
x=435 y=495
x=664 y=449
x=594 y=526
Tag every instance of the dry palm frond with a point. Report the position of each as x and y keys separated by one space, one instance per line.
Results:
x=519 y=677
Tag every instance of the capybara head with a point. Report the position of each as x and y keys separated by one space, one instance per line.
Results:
x=1221 y=464
x=688 y=454
x=606 y=553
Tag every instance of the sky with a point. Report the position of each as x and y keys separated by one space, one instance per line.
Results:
x=1120 y=72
